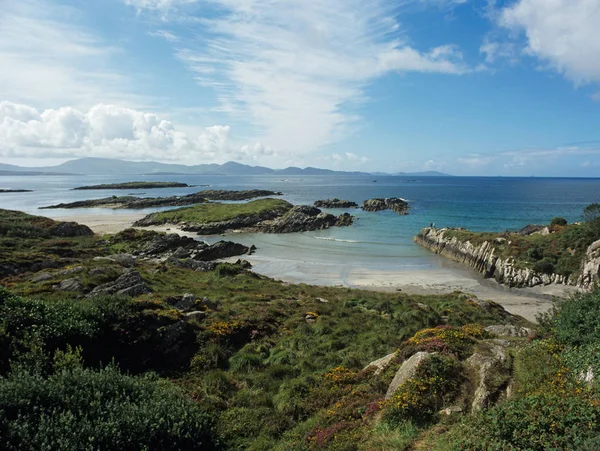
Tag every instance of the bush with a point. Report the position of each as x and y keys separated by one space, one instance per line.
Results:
x=544 y=266
x=85 y=409
x=557 y=221
x=541 y=422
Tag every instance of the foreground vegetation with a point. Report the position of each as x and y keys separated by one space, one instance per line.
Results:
x=253 y=363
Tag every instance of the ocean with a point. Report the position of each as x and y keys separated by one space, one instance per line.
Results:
x=377 y=241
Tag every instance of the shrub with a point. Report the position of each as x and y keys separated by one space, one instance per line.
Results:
x=546 y=421
x=544 y=266
x=557 y=221
x=104 y=409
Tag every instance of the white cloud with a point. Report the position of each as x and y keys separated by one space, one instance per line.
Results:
x=167 y=35
x=295 y=70
x=561 y=33
x=113 y=132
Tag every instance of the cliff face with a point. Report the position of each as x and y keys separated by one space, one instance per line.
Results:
x=483 y=258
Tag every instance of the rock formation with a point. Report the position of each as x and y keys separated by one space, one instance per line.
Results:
x=395 y=204
x=335 y=203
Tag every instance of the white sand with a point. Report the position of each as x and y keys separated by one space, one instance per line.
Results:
x=526 y=302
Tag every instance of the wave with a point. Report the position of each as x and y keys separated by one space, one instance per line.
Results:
x=326 y=238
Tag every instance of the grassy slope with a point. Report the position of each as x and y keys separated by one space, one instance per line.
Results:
x=216 y=212
x=561 y=251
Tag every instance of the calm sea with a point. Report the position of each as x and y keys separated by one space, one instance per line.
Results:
x=381 y=240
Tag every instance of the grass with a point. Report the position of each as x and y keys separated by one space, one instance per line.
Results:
x=134 y=185
x=217 y=212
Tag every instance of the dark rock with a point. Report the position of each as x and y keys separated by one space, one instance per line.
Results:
x=335 y=203
x=395 y=204
x=100 y=271
x=130 y=284
x=69 y=271
x=237 y=195
x=302 y=218
x=221 y=249
x=187 y=302
x=244 y=264
x=194 y=265
x=530 y=229
x=172 y=242
x=69 y=285
x=71 y=229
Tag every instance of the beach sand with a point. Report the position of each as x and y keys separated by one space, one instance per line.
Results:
x=526 y=302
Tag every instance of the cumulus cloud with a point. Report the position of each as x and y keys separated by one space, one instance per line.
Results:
x=294 y=70
x=563 y=34
x=113 y=132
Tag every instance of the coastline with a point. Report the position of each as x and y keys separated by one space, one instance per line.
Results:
x=449 y=277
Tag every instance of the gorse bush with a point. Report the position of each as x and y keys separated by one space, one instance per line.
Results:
x=86 y=409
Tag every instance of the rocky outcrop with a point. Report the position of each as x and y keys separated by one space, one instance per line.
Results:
x=395 y=204
x=303 y=218
x=590 y=271
x=407 y=371
x=221 y=249
x=508 y=330
x=134 y=185
x=335 y=203
x=486 y=366
x=483 y=258
x=70 y=229
x=381 y=364
x=128 y=284
x=16 y=190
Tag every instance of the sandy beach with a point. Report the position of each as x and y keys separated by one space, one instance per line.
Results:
x=526 y=302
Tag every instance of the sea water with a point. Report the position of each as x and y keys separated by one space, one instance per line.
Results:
x=377 y=240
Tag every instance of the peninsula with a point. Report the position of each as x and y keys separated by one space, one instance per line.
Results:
x=134 y=185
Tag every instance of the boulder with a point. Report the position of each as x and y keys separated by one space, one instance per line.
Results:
x=69 y=285
x=99 y=271
x=71 y=229
x=221 y=249
x=69 y=271
x=187 y=302
x=381 y=364
x=129 y=284
x=303 y=218
x=172 y=242
x=508 y=330
x=407 y=371
x=484 y=365
x=208 y=304
x=451 y=410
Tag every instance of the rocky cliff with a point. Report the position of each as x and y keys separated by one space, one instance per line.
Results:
x=484 y=259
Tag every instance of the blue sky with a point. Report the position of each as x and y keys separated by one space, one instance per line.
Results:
x=461 y=86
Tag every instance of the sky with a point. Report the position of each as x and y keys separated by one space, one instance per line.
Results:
x=467 y=87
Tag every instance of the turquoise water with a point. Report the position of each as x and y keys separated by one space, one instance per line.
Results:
x=376 y=240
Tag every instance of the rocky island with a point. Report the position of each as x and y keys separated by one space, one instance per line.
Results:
x=16 y=190
x=395 y=204
x=136 y=203
x=265 y=215
x=135 y=185
x=335 y=203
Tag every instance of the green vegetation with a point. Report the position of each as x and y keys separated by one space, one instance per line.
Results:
x=265 y=365
x=135 y=185
x=217 y=212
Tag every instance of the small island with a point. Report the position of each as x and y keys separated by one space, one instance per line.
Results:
x=264 y=215
x=335 y=203
x=137 y=203
x=16 y=191
x=135 y=185
x=395 y=204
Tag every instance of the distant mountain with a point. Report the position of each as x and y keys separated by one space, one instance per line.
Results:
x=106 y=166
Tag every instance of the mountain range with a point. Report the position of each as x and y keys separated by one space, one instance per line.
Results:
x=106 y=166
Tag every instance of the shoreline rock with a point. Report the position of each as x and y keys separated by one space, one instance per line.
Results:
x=134 y=185
x=483 y=258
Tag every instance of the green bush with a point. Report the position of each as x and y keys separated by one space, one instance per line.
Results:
x=575 y=321
x=544 y=266
x=557 y=221
x=85 y=409
x=548 y=421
